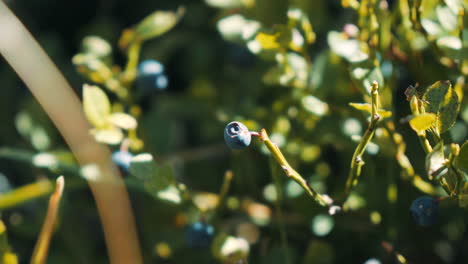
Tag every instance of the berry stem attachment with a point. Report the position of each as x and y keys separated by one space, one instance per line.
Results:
x=290 y=172
x=357 y=162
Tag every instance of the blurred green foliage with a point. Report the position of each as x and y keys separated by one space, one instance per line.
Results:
x=301 y=69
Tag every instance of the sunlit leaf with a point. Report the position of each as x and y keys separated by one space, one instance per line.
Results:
x=224 y=3
x=158 y=23
x=446 y=17
x=453 y=48
x=96 y=46
x=298 y=19
x=423 y=122
x=170 y=194
x=365 y=76
x=45 y=160
x=443 y=101
x=277 y=39
x=454 y=5
x=111 y=136
x=462 y=160
x=231 y=27
x=435 y=161
x=346 y=48
x=96 y=106
x=366 y=107
x=432 y=28
x=123 y=120
x=314 y=105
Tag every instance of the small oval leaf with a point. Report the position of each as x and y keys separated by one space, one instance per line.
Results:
x=123 y=120
x=158 y=23
x=435 y=161
x=96 y=106
x=111 y=136
x=423 y=122
x=366 y=107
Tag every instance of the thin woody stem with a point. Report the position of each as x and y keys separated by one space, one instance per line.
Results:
x=290 y=172
x=357 y=162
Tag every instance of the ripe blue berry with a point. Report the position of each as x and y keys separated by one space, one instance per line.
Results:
x=237 y=135
x=199 y=235
x=151 y=76
x=425 y=210
x=122 y=159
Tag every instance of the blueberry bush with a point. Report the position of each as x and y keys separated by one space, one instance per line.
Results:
x=234 y=131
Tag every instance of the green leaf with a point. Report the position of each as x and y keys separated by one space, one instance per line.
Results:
x=157 y=178
x=366 y=107
x=123 y=120
x=443 y=101
x=96 y=106
x=111 y=136
x=463 y=196
x=314 y=105
x=276 y=39
x=346 y=48
x=298 y=19
x=454 y=5
x=435 y=161
x=143 y=166
x=158 y=23
x=163 y=178
x=432 y=27
x=447 y=18
x=225 y=3
x=96 y=46
x=461 y=161
x=423 y=122
x=364 y=77
x=170 y=194
x=453 y=47
x=232 y=27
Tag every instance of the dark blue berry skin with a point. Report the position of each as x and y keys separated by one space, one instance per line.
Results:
x=151 y=76
x=122 y=159
x=199 y=235
x=425 y=210
x=237 y=135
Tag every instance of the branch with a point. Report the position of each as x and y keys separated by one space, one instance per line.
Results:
x=357 y=162
x=56 y=96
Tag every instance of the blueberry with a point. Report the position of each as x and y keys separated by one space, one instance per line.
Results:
x=122 y=159
x=425 y=210
x=151 y=76
x=199 y=235
x=237 y=135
